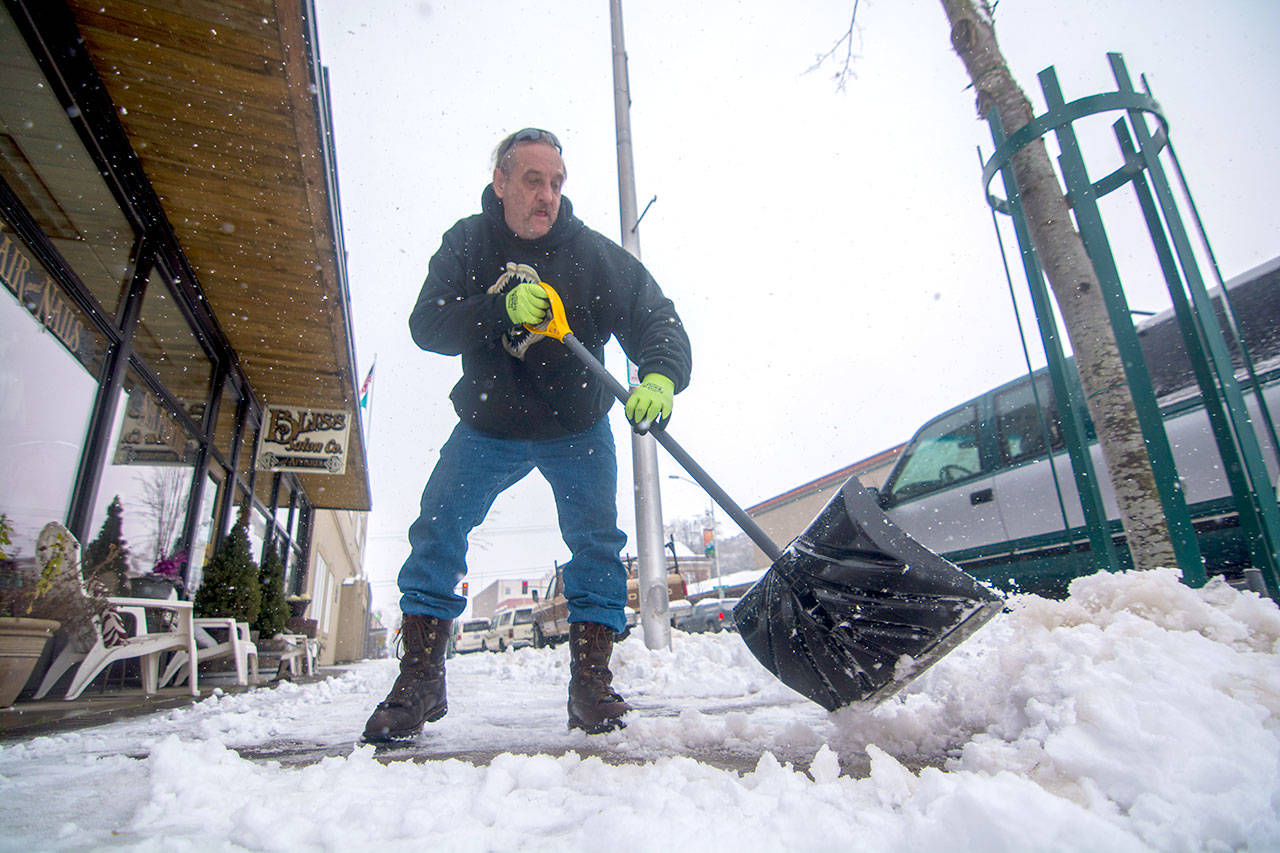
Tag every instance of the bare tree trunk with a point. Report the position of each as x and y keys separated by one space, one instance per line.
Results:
x=1075 y=288
x=163 y=495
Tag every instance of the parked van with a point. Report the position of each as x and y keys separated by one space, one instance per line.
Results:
x=975 y=483
x=511 y=629
x=468 y=635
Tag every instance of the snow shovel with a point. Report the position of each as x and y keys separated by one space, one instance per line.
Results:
x=854 y=608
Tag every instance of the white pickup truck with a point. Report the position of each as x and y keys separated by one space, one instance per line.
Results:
x=551 y=609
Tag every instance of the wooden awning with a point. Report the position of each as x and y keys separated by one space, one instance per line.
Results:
x=226 y=108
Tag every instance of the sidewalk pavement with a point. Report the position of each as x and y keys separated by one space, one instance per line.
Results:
x=25 y=720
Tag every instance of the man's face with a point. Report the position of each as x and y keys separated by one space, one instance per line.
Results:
x=531 y=193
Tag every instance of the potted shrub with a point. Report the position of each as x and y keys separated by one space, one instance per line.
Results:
x=109 y=553
x=52 y=593
x=65 y=596
x=164 y=579
x=273 y=611
x=230 y=585
x=22 y=637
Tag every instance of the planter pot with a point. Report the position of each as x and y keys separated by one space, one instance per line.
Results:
x=21 y=642
x=305 y=627
x=270 y=645
x=298 y=609
x=148 y=586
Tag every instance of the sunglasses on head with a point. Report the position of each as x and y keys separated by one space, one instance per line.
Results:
x=530 y=134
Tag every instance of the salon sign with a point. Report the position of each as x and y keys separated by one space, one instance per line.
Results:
x=304 y=440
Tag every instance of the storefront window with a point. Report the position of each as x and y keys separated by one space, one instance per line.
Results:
x=263 y=485
x=202 y=541
x=150 y=469
x=257 y=533
x=36 y=291
x=50 y=357
x=295 y=569
x=322 y=591
x=224 y=432
x=286 y=518
x=297 y=562
x=164 y=341
x=248 y=447
x=44 y=163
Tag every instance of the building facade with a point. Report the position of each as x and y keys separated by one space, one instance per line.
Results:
x=341 y=601
x=505 y=593
x=174 y=285
x=785 y=516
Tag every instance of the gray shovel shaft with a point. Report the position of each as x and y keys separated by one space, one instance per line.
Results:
x=746 y=522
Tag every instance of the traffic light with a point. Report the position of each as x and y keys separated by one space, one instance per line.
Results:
x=464 y=589
x=524 y=587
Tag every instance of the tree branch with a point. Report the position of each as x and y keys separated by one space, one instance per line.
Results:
x=845 y=71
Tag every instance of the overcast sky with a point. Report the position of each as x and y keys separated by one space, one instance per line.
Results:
x=831 y=253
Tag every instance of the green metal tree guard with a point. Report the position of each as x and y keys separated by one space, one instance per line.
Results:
x=1206 y=343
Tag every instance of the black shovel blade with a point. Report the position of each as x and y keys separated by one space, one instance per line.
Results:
x=854 y=609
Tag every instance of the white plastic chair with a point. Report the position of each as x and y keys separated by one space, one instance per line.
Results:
x=300 y=651
x=147 y=647
x=232 y=638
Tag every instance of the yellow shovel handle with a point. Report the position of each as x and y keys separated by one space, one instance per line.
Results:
x=556 y=325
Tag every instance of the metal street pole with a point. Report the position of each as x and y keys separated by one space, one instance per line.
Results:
x=715 y=550
x=652 y=574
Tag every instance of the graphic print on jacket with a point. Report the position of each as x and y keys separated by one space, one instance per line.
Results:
x=547 y=392
x=517 y=339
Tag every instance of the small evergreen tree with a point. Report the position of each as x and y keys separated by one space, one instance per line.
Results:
x=107 y=557
x=230 y=584
x=274 y=609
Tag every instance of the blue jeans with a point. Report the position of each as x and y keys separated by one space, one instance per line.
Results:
x=473 y=470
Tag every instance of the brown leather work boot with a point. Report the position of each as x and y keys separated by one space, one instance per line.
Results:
x=418 y=695
x=593 y=705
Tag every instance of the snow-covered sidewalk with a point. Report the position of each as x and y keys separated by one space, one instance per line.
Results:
x=1136 y=715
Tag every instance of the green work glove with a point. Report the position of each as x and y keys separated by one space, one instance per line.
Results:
x=527 y=303
x=650 y=401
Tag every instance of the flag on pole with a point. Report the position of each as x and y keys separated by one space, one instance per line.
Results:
x=364 y=388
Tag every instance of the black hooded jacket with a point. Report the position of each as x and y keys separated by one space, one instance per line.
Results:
x=514 y=386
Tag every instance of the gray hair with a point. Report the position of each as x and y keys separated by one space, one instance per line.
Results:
x=502 y=154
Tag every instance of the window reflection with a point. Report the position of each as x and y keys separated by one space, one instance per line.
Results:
x=944 y=451
x=224 y=431
x=164 y=341
x=43 y=430
x=322 y=592
x=264 y=484
x=282 y=509
x=44 y=163
x=202 y=541
x=257 y=533
x=1023 y=428
x=37 y=292
x=150 y=469
x=248 y=447
x=297 y=568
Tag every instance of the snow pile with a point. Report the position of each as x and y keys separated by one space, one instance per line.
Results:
x=1138 y=701
x=1136 y=715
